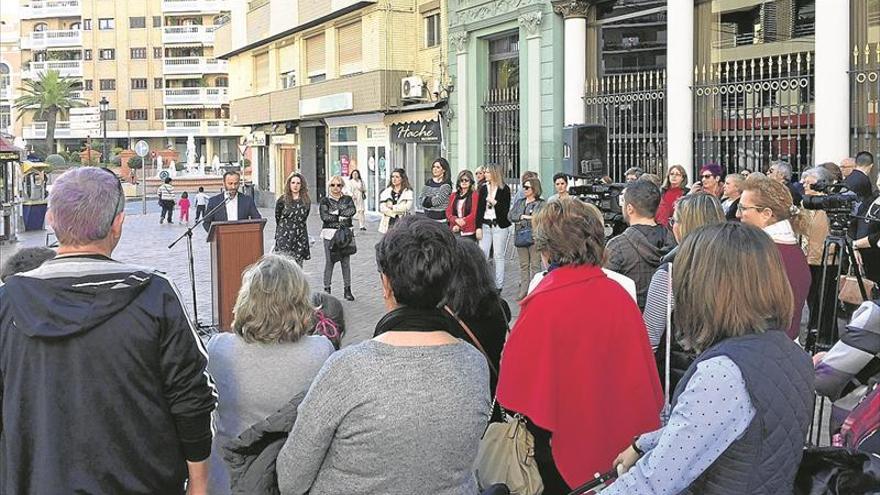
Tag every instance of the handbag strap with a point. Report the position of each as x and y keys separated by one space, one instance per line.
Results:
x=473 y=338
x=666 y=377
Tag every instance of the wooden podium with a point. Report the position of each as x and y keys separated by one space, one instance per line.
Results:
x=234 y=247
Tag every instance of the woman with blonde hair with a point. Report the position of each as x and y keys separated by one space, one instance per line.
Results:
x=493 y=227
x=267 y=359
x=674 y=186
x=739 y=416
x=337 y=210
x=291 y=212
x=767 y=204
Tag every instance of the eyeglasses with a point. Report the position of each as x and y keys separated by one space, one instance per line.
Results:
x=335 y=185
x=741 y=207
x=675 y=173
x=707 y=176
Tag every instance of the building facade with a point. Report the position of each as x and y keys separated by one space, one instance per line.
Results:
x=506 y=61
x=10 y=74
x=339 y=86
x=154 y=63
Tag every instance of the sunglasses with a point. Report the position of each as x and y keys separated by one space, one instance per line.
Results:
x=675 y=173
x=464 y=180
x=707 y=176
x=335 y=185
x=527 y=187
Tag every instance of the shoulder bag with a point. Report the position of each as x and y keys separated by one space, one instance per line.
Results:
x=849 y=288
x=523 y=235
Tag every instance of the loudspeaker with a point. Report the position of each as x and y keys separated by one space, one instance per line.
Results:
x=584 y=150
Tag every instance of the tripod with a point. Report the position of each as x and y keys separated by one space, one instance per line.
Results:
x=189 y=251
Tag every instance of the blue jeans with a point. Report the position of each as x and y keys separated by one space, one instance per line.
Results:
x=496 y=237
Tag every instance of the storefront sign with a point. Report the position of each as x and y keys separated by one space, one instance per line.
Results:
x=339 y=102
x=416 y=132
x=257 y=139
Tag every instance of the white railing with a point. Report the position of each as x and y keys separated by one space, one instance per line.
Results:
x=52 y=39
x=37 y=130
x=213 y=127
x=52 y=8
x=66 y=68
x=196 y=96
x=171 y=6
x=188 y=34
x=6 y=92
x=194 y=65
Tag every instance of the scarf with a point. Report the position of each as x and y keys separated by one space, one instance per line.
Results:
x=409 y=319
x=467 y=201
x=781 y=232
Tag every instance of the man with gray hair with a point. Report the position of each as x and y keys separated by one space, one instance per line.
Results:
x=103 y=381
x=780 y=171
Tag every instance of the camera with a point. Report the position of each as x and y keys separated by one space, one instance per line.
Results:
x=606 y=197
x=837 y=198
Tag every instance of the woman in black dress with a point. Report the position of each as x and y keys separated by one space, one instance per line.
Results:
x=291 y=213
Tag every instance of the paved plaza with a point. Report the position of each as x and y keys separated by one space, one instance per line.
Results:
x=145 y=242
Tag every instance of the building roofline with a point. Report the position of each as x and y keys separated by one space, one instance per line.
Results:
x=302 y=27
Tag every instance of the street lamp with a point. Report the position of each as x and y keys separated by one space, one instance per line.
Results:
x=104 y=106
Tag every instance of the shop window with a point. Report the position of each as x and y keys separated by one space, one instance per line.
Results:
x=343 y=150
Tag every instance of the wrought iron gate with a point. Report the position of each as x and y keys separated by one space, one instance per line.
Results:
x=632 y=107
x=750 y=112
x=865 y=99
x=501 y=111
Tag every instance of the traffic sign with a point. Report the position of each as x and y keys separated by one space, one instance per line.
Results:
x=242 y=149
x=141 y=148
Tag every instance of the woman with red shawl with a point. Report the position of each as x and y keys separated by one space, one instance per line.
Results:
x=578 y=365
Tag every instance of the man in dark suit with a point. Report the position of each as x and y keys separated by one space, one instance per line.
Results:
x=238 y=206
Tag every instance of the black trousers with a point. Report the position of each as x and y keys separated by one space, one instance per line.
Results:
x=167 y=210
x=200 y=211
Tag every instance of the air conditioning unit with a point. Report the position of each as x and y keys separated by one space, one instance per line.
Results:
x=412 y=88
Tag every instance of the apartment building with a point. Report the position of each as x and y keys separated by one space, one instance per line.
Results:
x=10 y=74
x=153 y=61
x=326 y=87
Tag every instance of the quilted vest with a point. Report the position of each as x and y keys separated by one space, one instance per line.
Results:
x=779 y=378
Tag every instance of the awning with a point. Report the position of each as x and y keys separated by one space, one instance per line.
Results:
x=32 y=167
x=432 y=115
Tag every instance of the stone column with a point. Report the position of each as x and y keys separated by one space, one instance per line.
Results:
x=531 y=25
x=680 y=78
x=575 y=59
x=832 y=81
x=458 y=42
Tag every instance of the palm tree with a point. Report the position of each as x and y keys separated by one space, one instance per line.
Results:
x=48 y=96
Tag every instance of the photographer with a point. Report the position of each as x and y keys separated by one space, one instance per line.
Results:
x=814 y=242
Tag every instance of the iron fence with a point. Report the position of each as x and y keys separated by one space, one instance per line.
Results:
x=864 y=113
x=632 y=106
x=501 y=111
x=750 y=112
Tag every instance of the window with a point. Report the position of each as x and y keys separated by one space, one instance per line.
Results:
x=261 y=72
x=501 y=108
x=349 y=37
x=138 y=53
x=157 y=52
x=157 y=21
x=39 y=28
x=137 y=22
x=139 y=83
x=157 y=83
x=288 y=79
x=106 y=54
x=432 y=30
x=111 y=114
x=106 y=24
x=158 y=114
x=136 y=114
x=87 y=25
x=108 y=84
x=89 y=85
x=315 y=58
x=87 y=54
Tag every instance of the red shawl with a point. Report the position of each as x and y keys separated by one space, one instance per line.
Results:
x=578 y=364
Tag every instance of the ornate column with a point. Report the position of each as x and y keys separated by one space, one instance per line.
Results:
x=832 y=81
x=679 y=80
x=458 y=42
x=531 y=26
x=575 y=13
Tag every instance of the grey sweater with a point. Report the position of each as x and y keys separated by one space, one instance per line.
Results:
x=253 y=382
x=391 y=420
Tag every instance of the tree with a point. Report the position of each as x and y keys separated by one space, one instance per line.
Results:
x=49 y=96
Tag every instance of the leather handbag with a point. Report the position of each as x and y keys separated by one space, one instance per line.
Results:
x=523 y=237
x=849 y=289
x=507 y=455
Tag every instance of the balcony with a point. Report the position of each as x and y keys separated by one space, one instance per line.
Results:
x=196 y=96
x=40 y=40
x=37 y=130
x=194 y=65
x=66 y=68
x=184 y=6
x=188 y=34
x=215 y=127
x=52 y=8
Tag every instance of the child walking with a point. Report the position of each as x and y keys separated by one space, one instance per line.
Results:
x=184 y=208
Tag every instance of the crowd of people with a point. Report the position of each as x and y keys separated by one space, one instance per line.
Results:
x=672 y=352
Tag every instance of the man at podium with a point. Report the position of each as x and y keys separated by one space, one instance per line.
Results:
x=237 y=206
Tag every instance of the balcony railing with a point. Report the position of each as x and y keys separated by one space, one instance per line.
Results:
x=214 y=127
x=66 y=68
x=194 y=65
x=52 y=8
x=39 y=40
x=172 y=6
x=188 y=34
x=196 y=96
x=37 y=130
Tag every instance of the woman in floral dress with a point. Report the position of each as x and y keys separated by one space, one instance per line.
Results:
x=291 y=213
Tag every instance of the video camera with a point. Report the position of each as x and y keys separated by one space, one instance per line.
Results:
x=837 y=201
x=606 y=197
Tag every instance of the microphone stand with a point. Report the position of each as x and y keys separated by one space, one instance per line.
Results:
x=189 y=251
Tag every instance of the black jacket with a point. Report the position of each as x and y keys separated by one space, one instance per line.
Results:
x=336 y=213
x=252 y=456
x=502 y=206
x=247 y=209
x=104 y=381
x=637 y=253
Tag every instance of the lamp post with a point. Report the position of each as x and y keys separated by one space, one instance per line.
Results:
x=104 y=106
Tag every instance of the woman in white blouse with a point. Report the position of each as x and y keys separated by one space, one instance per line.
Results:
x=396 y=200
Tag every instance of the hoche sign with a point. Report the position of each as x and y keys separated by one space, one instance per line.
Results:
x=416 y=132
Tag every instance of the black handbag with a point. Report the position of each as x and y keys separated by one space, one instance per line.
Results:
x=342 y=245
x=523 y=237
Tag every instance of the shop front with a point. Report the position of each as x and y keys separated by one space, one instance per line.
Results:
x=360 y=143
x=416 y=141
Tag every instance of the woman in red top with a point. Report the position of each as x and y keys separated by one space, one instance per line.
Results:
x=461 y=213
x=673 y=188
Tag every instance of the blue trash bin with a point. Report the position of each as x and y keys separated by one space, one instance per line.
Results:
x=34 y=213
